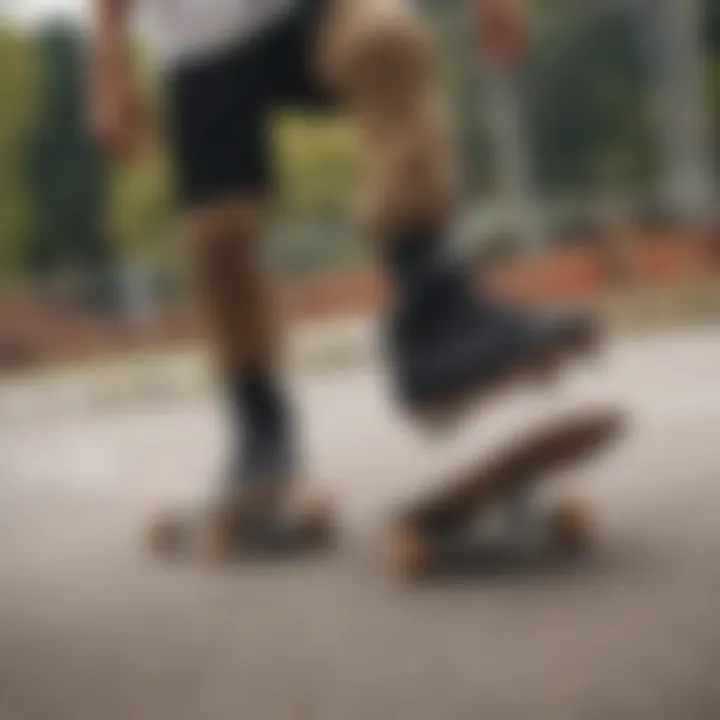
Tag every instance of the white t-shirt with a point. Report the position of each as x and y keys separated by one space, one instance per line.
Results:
x=181 y=29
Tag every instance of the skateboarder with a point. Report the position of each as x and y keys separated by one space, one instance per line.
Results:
x=225 y=65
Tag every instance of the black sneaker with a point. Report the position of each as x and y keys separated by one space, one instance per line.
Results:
x=448 y=346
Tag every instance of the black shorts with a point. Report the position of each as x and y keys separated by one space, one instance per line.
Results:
x=218 y=107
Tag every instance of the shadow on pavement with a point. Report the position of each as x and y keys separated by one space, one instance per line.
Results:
x=479 y=562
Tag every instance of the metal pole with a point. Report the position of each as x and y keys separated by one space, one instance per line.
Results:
x=681 y=115
x=513 y=153
x=513 y=158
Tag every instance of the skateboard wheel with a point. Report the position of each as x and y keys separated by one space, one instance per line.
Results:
x=174 y=533
x=315 y=516
x=571 y=527
x=409 y=553
x=166 y=535
x=325 y=522
x=215 y=542
x=320 y=519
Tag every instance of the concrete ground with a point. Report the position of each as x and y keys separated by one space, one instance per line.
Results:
x=91 y=628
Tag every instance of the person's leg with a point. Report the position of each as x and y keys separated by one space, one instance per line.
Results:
x=382 y=61
x=217 y=111
x=226 y=243
x=444 y=341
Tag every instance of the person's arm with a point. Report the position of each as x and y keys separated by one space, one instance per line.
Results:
x=502 y=28
x=114 y=96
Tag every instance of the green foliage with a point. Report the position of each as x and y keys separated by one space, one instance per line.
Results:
x=460 y=53
x=319 y=171
x=587 y=100
x=584 y=92
x=66 y=180
x=17 y=104
x=140 y=207
x=318 y=163
x=712 y=40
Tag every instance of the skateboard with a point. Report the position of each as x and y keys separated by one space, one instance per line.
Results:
x=418 y=532
x=301 y=519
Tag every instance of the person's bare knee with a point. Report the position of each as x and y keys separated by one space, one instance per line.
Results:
x=225 y=240
x=360 y=36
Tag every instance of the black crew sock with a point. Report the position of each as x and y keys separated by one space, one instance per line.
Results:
x=413 y=257
x=263 y=424
x=258 y=402
x=423 y=273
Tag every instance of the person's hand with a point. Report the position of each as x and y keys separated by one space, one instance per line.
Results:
x=115 y=109
x=502 y=28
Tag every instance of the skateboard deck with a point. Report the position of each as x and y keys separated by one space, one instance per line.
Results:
x=304 y=521
x=418 y=528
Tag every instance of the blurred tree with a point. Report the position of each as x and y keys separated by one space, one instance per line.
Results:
x=318 y=164
x=460 y=52
x=66 y=179
x=318 y=171
x=584 y=90
x=586 y=97
x=712 y=36
x=139 y=205
x=17 y=101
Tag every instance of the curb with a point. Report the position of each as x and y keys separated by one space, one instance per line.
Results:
x=160 y=377
x=330 y=346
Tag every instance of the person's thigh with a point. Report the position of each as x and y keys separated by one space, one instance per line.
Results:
x=216 y=110
x=219 y=107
